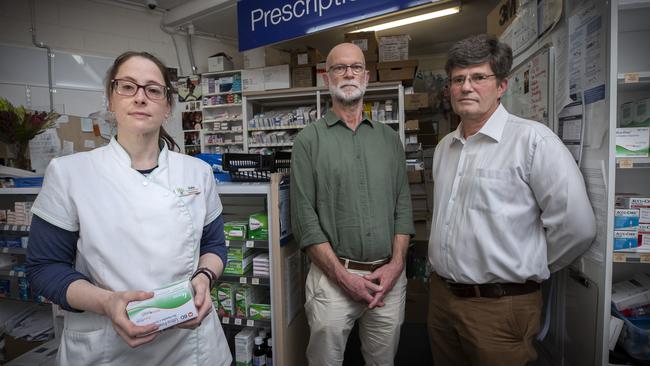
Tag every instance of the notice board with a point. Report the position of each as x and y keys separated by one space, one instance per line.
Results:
x=530 y=89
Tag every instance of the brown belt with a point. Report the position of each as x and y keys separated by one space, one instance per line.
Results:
x=491 y=290
x=361 y=266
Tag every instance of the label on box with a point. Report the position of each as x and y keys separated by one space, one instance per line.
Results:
x=303 y=58
x=632 y=142
x=626 y=219
x=361 y=43
x=637 y=202
x=625 y=240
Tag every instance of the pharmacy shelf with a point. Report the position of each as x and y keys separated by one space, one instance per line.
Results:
x=216 y=132
x=5 y=250
x=222 y=93
x=191 y=130
x=18 y=228
x=11 y=273
x=28 y=190
x=222 y=120
x=277 y=128
x=259 y=244
x=222 y=106
x=632 y=163
x=220 y=73
x=244 y=280
x=223 y=143
x=623 y=257
x=243 y=322
x=273 y=144
x=235 y=188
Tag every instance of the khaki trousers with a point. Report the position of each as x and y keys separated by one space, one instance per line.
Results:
x=331 y=315
x=482 y=331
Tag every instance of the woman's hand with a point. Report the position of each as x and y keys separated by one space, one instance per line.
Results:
x=115 y=309
x=202 y=301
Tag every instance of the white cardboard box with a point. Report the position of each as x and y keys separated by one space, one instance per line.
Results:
x=277 y=77
x=632 y=142
x=252 y=79
x=219 y=62
x=394 y=48
x=631 y=293
x=265 y=56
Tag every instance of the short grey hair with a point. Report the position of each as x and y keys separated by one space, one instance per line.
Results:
x=479 y=49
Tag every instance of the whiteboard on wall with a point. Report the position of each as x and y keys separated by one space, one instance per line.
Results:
x=530 y=88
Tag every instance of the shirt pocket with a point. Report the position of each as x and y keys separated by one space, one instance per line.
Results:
x=492 y=190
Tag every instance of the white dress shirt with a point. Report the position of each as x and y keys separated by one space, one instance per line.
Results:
x=509 y=204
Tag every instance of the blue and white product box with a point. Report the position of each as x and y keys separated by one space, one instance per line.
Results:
x=625 y=239
x=626 y=219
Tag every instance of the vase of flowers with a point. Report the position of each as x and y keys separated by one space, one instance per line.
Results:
x=18 y=126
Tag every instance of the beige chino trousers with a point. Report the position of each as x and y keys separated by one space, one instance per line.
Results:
x=331 y=315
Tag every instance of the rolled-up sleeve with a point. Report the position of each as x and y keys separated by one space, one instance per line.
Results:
x=304 y=217
x=403 y=211
x=566 y=212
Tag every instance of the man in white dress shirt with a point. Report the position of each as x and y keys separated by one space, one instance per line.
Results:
x=510 y=207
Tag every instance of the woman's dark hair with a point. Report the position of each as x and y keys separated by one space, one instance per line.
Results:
x=480 y=49
x=110 y=75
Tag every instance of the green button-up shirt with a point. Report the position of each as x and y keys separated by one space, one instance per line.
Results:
x=349 y=188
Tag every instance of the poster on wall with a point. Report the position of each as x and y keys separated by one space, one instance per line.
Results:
x=522 y=32
x=527 y=95
x=189 y=88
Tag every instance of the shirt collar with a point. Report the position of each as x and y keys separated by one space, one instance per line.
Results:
x=124 y=158
x=493 y=128
x=331 y=119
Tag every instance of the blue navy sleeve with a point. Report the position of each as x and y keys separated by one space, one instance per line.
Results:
x=213 y=240
x=51 y=252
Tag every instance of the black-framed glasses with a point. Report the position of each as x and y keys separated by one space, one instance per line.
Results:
x=128 y=88
x=474 y=79
x=340 y=69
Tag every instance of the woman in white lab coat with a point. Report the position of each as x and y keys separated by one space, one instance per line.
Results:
x=132 y=216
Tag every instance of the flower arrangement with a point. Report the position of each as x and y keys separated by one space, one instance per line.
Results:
x=18 y=126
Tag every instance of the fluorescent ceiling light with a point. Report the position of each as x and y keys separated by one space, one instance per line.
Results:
x=410 y=20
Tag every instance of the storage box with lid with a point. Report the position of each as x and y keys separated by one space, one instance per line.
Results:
x=265 y=56
x=305 y=57
x=397 y=70
x=219 y=62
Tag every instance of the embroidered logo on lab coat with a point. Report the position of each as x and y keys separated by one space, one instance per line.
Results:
x=186 y=191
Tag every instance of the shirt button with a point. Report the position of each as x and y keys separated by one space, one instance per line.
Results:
x=367 y=234
x=180 y=204
x=166 y=194
x=145 y=183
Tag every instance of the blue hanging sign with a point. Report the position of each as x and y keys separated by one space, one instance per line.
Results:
x=262 y=22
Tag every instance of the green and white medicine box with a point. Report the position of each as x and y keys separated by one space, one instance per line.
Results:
x=259 y=311
x=235 y=230
x=170 y=305
x=258 y=226
x=632 y=142
x=225 y=299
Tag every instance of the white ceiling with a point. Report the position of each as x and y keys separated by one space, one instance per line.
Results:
x=427 y=38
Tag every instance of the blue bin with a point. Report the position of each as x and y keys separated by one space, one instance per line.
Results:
x=635 y=336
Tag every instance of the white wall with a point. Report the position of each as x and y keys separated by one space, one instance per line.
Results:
x=100 y=29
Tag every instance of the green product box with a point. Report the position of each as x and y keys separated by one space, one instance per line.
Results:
x=259 y=311
x=238 y=267
x=225 y=294
x=235 y=230
x=244 y=296
x=258 y=226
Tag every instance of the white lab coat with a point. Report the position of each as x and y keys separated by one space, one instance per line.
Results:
x=135 y=233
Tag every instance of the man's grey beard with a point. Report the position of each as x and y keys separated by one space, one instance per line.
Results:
x=347 y=99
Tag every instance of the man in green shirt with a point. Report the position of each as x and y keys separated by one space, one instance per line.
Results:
x=351 y=213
